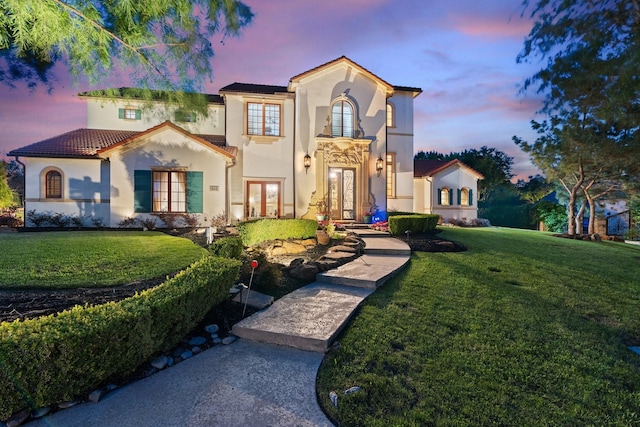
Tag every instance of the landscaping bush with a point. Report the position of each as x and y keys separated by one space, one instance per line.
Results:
x=415 y=223
x=56 y=358
x=227 y=247
x=261 y=230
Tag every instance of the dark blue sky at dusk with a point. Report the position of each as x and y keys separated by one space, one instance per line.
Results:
x=462 y=53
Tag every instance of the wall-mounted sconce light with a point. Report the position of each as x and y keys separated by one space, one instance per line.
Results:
x=307 y=162
x=379 y=165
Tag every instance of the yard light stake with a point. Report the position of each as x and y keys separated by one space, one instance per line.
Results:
x=254 y=265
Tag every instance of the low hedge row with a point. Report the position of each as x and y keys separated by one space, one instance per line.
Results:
x=416 y=223
x=227 y=247
x=261 y=230
x=56 y=358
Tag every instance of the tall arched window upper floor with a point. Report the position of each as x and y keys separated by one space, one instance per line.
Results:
x=343 y=117
x=391 y=118
x=51 y=183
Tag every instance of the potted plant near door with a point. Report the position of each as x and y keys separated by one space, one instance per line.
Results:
x=321 y=211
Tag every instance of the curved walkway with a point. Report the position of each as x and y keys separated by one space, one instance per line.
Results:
x=252 y=382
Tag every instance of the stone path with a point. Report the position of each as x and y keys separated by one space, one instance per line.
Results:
x=250 y=382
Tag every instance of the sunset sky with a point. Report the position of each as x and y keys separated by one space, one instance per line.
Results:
x=462 y=53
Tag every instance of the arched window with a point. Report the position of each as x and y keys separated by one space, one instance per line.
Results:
x=464 y=197
x=445 y=196
x=390 y=116
x=342 y=118
x=53 y=185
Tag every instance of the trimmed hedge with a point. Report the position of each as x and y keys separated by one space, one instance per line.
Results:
x=261 y=230
x=58 y=357
x=227 y=247
x=416 y=223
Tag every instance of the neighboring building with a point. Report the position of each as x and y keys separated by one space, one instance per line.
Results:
x=337 y=138
x=448 y=189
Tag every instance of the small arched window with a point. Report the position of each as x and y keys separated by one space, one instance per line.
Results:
x=464 y=197
x=53 y=185
x=342 y=119
x=390 y=116
x=445 y=196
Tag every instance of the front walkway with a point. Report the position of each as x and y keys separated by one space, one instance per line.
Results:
x=250 y=383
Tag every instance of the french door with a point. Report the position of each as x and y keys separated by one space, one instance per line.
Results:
x=342 y=195
x=262 y=199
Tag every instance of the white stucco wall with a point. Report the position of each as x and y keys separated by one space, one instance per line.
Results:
x=166 y=148
x=455 y=177
x=314 y=94
x=84 y=193
x=103 y=114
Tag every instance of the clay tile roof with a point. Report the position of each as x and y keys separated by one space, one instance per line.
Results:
x=86 y=143
x=254 y=88
x=77 y=143
x=426 y=167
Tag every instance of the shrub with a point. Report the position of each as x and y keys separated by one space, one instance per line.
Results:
x=148 y=223
x=37 y=218
x=56 y=358
x=227 y=247
x=415 y=223
x=261 y=230
x=128 y=222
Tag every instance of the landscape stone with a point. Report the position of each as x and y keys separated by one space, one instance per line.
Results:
x=339 y=256
x=217 y=341
x=186 y=354
x=196 y=350
x=197 y=341
x=211 y=329
x=171 y=362
x=333 y=396
x=228 y=340
x=67 y=404
x=352 y=390
x=41 y=412
x=160 y=362
x=342 y=248
x=296 y=262
x=96 y=395
x=18 y=418
x=305 y=272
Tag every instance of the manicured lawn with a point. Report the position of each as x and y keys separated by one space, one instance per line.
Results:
x=524 y=329
x=90 y=259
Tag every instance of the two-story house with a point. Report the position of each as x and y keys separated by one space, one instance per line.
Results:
x=337 y=138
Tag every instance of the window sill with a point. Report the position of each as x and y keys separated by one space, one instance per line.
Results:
x=263 y=139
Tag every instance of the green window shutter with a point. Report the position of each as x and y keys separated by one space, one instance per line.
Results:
x=450 y=196
x=121 y=113
x=142 y=191
x=470 y=197
x=138 y=114
x=459 y=196
x=194 y=192
x=439 y=196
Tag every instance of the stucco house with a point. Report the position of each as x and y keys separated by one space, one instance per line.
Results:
x=337 y=138
x=448 y=189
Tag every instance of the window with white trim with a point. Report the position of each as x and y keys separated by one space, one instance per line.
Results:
x=391 y=122
x=391 y=174
x=53 y=185
x=263 y=119
x=445 y=196
x=169 y=191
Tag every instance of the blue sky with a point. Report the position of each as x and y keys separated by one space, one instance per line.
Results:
x=462 y=53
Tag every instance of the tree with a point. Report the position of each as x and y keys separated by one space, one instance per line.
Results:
x=494 y=164
x=534 y=189
x=8 y=197
x=166 y=45
x=591 y=94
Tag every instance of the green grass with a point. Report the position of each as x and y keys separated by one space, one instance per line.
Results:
x=524 y=329
x=90 y=259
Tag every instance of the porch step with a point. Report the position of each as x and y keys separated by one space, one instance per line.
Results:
x=307 y=319
x=366 y=271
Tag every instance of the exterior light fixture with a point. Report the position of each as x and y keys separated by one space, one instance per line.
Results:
x=379 y=165
x=307 y=162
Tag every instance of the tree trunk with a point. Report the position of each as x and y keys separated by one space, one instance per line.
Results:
x=579 y=217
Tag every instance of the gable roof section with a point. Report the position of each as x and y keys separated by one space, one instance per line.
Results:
x=206 y=140
x=90 y=143
x=345 y=60
x=254 y=88
x=424 y=167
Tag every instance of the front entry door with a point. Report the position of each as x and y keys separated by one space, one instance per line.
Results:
x=342 y=195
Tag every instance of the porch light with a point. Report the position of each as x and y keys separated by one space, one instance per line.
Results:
x=379 y=165
x=307 y=162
